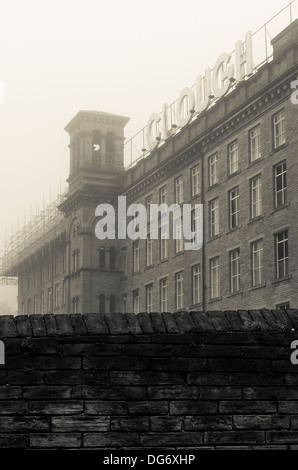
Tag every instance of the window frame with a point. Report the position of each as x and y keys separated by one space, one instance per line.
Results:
x=259 y=252
x=232 y=152
x=285 y=260
x=282 y=135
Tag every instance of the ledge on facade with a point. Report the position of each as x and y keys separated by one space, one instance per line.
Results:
x=147 y=323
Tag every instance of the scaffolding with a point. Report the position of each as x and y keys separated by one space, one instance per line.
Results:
x=38 y=233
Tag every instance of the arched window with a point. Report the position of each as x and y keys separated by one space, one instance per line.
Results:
x=110 y=141
x=96 y=147
x=102 y=258
x=112 y=304
x=102 y=304
x=112 y=258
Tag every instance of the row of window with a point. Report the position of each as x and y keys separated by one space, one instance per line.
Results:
x=42 y=304
x=280 y=199
x=163 y=292
x=257 y=276
x=279 y=139
x=254 y=145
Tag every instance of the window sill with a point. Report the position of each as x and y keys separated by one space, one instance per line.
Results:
x=215 y=300
x=234 y=174
x=214 y=238
x=178 y=254
x=287 y=278
x=136 y=273
x=280 y=208
x=234 y=294
x=163 y=261
x=256 y=219
x=260 y=286
x=281 y=147
x=148 y=267
x=212 y=187
x=194 y=308
x=255 y=162
x=234 y=229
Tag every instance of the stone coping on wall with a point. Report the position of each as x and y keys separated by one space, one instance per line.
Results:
x=182 y=322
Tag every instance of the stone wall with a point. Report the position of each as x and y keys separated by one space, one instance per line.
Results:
x=194 y=380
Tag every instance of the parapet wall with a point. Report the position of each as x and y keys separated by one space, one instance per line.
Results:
x=216 y=380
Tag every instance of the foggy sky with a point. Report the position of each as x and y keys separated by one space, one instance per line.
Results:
x=120 y=56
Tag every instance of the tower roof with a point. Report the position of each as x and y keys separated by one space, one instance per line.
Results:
x=95 y=115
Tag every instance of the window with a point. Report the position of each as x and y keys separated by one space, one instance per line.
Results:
x=163 y=196
x=35 y=304
x=233 y=157
x=256 y=196
x=214 y=218
x=282 y=255
x=75 y=261
x=23 y=308
x=57 y=292
x=195 y=181
x=49 y=302
x=196 y=222
x=255 y=143
x=234 y=207
x=42 y=310
x=112 y=304
x=279 y=132
x=112 y=258
x=29 y=306
x=257 y=263
x=124 y=302
x=164 y=242
x=75 y=304
x=43 y=274
x=149 y=298
x=64 y=293
x=110 y=145
x=96 y=146
x=136 y=257
x=179 y=190
x=196 y=284
x=102 y=258
x=64 y=261
x=149 y=251
x=284 y=306
x=214 y=278
x=102 y=303
x=213 y=172
x=235 y=271
x=280 y=184
x=136 y=301
x=148 y=202
x=179 y=290
x=50 y=269
x=178 y=228
x=164 y=295
x=57 y=264
x=124 y=260
x=35 y=277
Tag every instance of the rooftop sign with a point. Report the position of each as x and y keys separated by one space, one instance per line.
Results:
x=215 y=84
